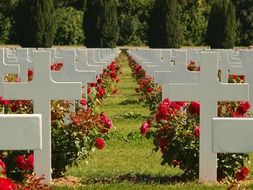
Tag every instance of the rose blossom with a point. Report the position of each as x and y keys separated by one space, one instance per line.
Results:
x=197 y=131
x=100 y=143
x=243 y=107
x=83 y=102
x=7 y=184
x=145 y=127
x=242 y=174
x=194 y=108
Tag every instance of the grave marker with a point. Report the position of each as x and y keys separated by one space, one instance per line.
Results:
x=208 y=91
x=42 y=90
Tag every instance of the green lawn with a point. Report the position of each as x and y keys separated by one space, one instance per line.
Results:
x=128 y=162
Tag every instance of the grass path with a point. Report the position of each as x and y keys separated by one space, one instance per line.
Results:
x=127 y=162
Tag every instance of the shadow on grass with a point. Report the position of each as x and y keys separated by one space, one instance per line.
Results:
x=136 y=178
x=126 y=102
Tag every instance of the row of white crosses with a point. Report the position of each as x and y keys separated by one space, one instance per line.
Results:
x=208 y=90
x=41 y=90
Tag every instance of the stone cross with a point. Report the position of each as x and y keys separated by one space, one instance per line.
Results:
x=69 y=72
x=226 y=63
x=208 y=91
x=180 y=74
x=42 y=90
x=246 y=69
x=5 y=68
x=83 y=64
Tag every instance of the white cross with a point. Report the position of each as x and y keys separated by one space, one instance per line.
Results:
x=84 y=64
x=246 y=69
x=226 y=63
x=180 y=74
x=69 y=72
x=208 y=91
x=42 y=90
x=4 y=68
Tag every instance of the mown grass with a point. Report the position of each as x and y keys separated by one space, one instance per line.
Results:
x=128 y=162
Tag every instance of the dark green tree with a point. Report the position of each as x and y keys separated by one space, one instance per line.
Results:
x=35 y=23
x=221 y=30
x=164 y=29
x=194 y=18
x=101 y=24
x=133 y=16
x=69 y=26
x=244 y=12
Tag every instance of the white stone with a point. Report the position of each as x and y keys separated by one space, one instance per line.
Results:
x=232 y=135
x=20 y=132
x=180 y=73
x=5 y=68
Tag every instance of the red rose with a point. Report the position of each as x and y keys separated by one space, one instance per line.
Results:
x=100 y=143
x=163 y=143
x=243 y=107
x=197 y=131
x=30 y=162
x=242 y=174
x=174 y=106
x=4 y=102
x=83 y=102
x=100 y=91
x=145 y=127
x=88 y=90
x=2 y=167
x=150 y=89
x=20 y=161
x=194 y=108
x=99 y=80
x=7 y=184
x=25 y=163
x=113 y=74
x=93 y=84
x=30 y=72
x=236 y=114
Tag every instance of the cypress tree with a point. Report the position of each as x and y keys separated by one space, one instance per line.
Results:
x=221 y=30
x=35 y=23
x=101 y=24
x=164 y=28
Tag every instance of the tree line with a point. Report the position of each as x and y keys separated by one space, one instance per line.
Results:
x=110 y=23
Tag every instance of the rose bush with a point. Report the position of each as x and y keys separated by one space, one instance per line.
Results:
x=176 y=132
x=150 y=93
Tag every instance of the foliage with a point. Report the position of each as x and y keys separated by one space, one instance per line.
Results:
x=133 y=16
x=77 y=4
x=69 y=29
x=164 y=27
x=244 y=12
x=35 y=23
x=5 y=28
x=101 y=24
x=221 y=30
x=194 y=21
